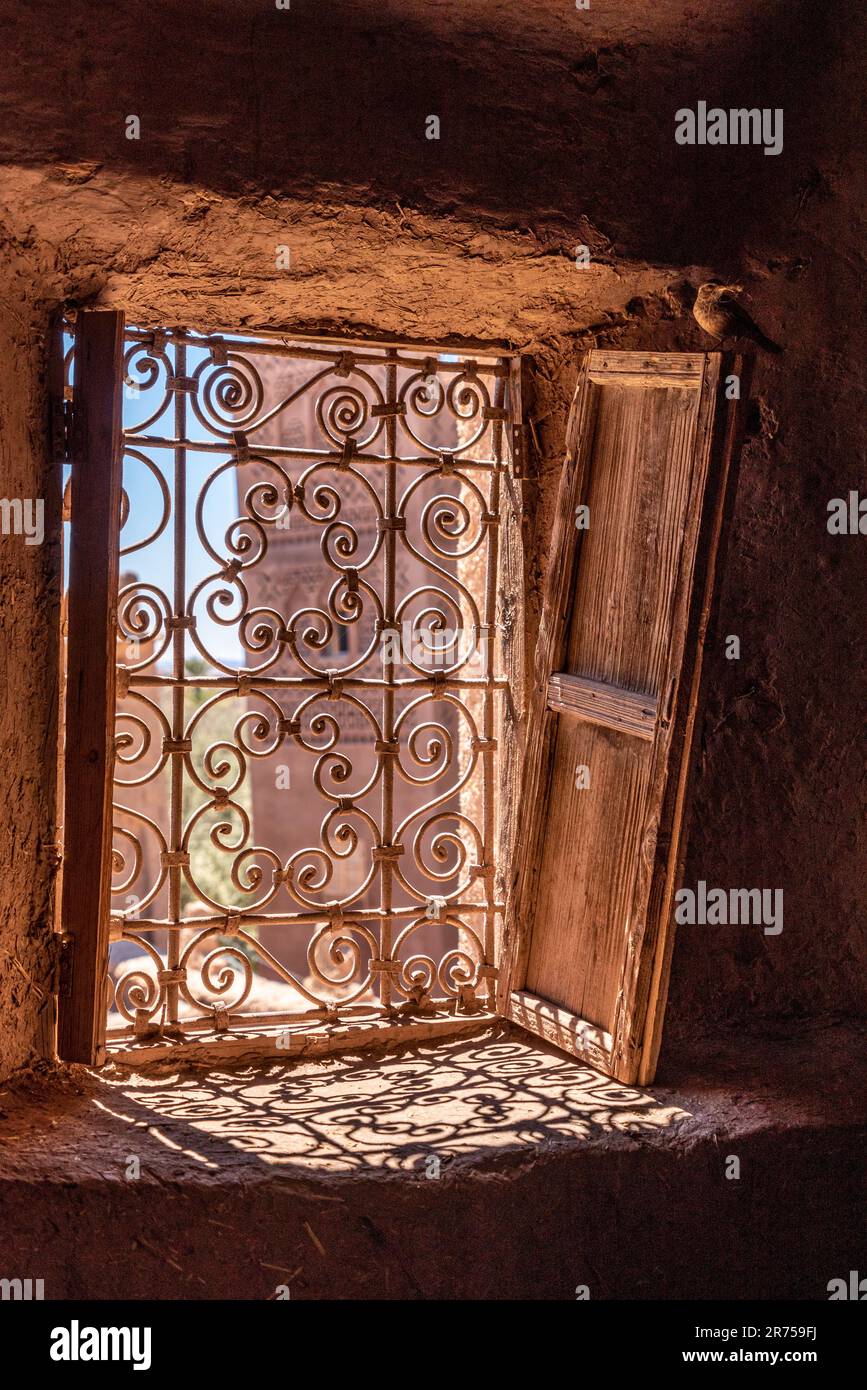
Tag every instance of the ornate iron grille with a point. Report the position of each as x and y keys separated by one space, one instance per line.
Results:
x=314 y=528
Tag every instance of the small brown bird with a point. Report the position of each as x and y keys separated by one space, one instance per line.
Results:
x=718 y=312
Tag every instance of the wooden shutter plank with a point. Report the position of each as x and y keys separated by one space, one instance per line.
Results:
x=606 y=705
x=586 y=927
x=91 y=654
x=645 y=930
x=621 y=615
x=537 y=764
x=561 y=1028
x=587 y=872
x=720 y=427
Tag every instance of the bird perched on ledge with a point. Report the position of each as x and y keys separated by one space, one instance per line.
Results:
x=718 y=312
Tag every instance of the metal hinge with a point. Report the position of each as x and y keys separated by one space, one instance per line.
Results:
x=517 y=429
x=519 y=449
x=61 y=430
x=64 y=973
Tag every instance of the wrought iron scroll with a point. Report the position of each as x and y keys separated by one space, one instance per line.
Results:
x=384 y=466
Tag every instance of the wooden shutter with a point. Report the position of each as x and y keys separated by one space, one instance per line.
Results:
x=90 y=675
x=616 y=686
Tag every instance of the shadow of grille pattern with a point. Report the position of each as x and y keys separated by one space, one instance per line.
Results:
x=457 y=1099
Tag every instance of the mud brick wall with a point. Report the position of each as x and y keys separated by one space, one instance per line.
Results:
x=306 y=128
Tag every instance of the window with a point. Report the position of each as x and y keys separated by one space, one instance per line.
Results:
x=302 y=791
x=303 y=681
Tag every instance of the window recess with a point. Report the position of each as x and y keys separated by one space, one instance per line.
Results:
x=304 y=806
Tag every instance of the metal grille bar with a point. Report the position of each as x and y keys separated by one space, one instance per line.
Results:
x=357 y=578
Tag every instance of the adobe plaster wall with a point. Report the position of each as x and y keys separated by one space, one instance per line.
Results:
x=490 y=1167
x=306 y=127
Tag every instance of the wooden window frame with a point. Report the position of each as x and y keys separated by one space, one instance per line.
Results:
x=90 y=685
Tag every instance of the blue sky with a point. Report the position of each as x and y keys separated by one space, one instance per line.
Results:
x=155 y=562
